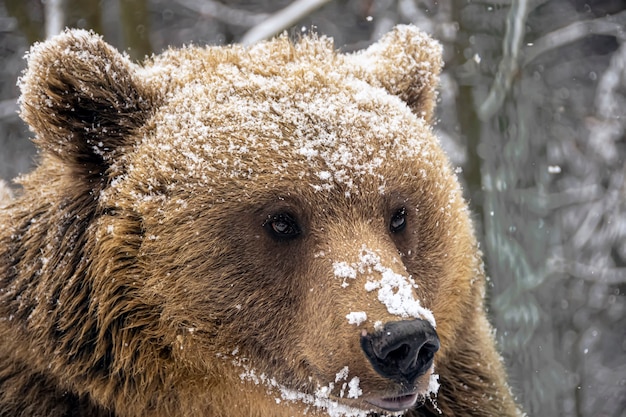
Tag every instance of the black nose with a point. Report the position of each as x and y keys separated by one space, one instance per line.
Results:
x=403 y=350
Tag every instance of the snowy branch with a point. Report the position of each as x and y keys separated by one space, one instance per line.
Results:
x=609 y=126
x=224 y=13
x=511 y=46
x=281 y=20
x=607 y=25
x=590 y=273
x=54 y=17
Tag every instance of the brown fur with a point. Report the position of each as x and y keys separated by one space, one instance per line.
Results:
x=137 y=273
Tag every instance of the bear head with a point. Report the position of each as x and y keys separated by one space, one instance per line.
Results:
x=241 y=231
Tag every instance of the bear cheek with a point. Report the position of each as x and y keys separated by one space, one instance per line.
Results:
x=460 y=287
x=328 y=344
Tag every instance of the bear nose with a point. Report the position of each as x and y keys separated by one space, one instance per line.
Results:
x=403 y=350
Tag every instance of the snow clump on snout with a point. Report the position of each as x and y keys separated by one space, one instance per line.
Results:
x=395 y=290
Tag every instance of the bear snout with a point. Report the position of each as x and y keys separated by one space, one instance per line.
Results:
x=403 y=350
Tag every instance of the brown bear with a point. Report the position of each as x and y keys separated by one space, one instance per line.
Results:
x=229 y=231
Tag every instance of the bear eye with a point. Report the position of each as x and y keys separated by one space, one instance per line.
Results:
x=398 y=221
x=282 y=226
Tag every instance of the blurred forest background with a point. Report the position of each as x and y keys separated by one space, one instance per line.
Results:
x=532 y=112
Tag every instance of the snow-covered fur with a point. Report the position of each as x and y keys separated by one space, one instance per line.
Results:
x=220 y=232
x=6 y=195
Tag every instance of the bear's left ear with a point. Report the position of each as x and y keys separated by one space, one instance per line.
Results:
x=83 y=99
x=406 y=62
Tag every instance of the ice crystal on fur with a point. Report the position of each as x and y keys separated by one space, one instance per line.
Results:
x=320 y=399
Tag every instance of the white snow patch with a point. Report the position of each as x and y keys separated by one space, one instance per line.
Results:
x=324 y=175
x=319 y=400
x=356 y=317
x=333 y=408
x=433 y=383
x=395 y=291
x=344 y=270
x=433 y=389
x=355 y=390
x=342 y=375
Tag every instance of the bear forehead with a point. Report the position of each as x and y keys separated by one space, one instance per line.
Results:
x=309 y=121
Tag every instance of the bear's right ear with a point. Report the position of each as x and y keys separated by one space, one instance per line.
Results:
x=406 y=62
x=83 y=99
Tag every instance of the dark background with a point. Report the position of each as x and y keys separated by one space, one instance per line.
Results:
x=532 y=111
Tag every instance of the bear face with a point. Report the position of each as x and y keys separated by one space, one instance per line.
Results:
x=225 y=231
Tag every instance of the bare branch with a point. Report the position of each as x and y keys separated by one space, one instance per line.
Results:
x=609 y=125
x=224 y=13
x=589 y=273
x=281 y=20
x=607 y=25
x=511 y=46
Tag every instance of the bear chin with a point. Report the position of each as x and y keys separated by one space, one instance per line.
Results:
x=395 y=404
x=402 y=400
x=338 y=399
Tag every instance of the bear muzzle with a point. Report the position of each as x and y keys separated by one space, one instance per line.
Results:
x=402 y=351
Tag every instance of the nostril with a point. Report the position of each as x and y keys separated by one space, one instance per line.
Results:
x=427 y=354
x=430 y=348
x=399 y=354
x=403 y=351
